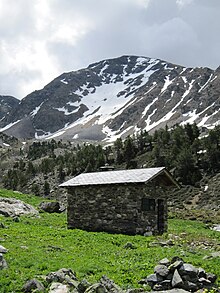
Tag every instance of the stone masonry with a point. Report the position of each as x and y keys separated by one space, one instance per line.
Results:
x=117 y=208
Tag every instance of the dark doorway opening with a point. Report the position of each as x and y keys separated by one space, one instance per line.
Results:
x=160 y=216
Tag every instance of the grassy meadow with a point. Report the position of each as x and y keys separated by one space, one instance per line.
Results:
x=37 y=246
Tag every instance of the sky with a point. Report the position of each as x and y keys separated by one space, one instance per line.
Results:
x=41 y=39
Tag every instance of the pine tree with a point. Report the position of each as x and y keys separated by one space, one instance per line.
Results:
x=118 y=147
x=46 y=188
x=129 y=149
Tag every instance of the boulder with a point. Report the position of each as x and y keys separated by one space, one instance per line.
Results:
x=11 y=207
x=211 y=277
x=63 y=275
x=188 y=269
x=83 y=285
x=33 y=285
x=96 y=288
x=59 y=288
x=153 y=279
x=190 y=286
x=175 y=265
x=201 y=273
x=161 y=270
x=164 y=261
x=50 y=207
x=110 y=285
x=177 y=281
x=164 y=285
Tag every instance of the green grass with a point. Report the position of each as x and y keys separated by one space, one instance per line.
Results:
x=38 y=246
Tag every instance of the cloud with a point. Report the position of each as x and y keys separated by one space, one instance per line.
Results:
x=41 y=39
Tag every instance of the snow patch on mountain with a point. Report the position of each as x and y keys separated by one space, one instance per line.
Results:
x=148 y=107
x=9 y=125
x=166 y=84
x=64 y=81
x=66 y=111
x=35 y=111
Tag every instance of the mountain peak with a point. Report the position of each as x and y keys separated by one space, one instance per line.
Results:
x=117 y=97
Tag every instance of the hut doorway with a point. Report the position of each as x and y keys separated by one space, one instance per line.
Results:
x=160 y=216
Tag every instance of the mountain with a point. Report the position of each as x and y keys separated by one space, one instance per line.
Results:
x=116 y=97
x=7 y=104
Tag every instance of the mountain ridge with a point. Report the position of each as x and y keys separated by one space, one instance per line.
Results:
x=6 y=104
x=115 y=98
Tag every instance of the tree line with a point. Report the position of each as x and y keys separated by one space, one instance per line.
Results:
x=182 y=150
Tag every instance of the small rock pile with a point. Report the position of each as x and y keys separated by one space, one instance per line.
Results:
x=177 y=274
x=65 y=281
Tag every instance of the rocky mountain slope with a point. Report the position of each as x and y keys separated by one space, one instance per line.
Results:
x=117 y=97
x=7 y=104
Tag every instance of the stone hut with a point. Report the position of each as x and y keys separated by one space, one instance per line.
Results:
x=123 y=201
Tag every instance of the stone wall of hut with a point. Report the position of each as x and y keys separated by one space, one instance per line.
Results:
x=116 y=208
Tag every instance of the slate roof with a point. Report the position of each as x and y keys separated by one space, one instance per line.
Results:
x=115 y=177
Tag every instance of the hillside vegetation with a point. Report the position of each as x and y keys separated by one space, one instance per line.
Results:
x=192 y=158
x=41 y=245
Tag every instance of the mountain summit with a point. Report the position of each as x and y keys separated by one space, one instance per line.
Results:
x=117 y=97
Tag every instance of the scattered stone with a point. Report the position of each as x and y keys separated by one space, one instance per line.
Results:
x=55 y=248
x=33 y=285
x=3 y=249
x=50 y=207
x=212 y=255
x=3 y=263
x=129 y=245
x=163 y=243
x=24 y=247
x=2 y=225
x=216 y=228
